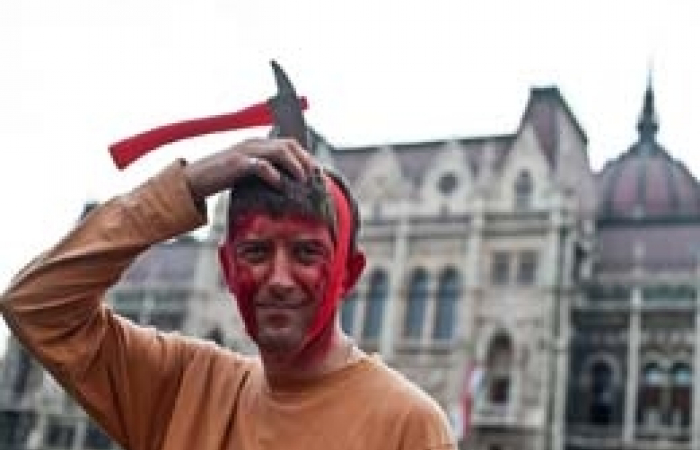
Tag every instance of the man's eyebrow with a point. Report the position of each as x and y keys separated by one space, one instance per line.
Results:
x=248 y=241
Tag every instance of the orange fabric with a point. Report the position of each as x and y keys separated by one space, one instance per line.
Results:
x=156 y=391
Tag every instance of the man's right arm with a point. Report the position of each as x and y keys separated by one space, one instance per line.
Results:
x=53 y=306
x=124 y=375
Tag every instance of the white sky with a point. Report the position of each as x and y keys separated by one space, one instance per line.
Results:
x=77 y=75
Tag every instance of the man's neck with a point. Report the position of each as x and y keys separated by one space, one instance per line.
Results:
x=341 y=352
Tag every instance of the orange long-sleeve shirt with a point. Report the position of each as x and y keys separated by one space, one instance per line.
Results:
x=151 y=390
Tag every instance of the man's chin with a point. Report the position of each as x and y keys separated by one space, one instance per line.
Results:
x=278 y=343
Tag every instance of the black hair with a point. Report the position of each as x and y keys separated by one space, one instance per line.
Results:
x=251 y=194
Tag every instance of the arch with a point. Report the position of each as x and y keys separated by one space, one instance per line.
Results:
x=448 y=292
x=681 y=374
x=653 y=374
x=499 y=364
x=377 y=294
x=416 y=303
x=523 y=189
x=587 y=369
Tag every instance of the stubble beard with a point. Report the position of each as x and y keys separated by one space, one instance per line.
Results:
x=281 y=334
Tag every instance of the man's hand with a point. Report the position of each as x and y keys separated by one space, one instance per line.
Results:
x=217 y=172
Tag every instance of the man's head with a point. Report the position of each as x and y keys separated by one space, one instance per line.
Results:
x=287 y=263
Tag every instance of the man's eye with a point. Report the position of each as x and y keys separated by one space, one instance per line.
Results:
x=252 y=253
x=309 y=253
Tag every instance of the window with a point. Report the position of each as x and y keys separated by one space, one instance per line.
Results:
x=666 y=396
x=447 y=183
x=96 y=439
x=166 y=320
x=527 y=267
x=499 y=365
x=681 y=395
x=374 y=309
x=500 y=268
x=59 y=433
x=601 y=394
x=523 y=191
x=416 y=304
x=652 y=383
x=447 y=295
x=347 y=313
x=15 y=427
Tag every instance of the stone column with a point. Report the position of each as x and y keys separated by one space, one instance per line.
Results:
x=562 y=331
x=81 y=423
x=562 y=362
x=466 y=356
x=396 y=275
x=632 y=381
x=473 y=280
x=552 y=282
x=35 y=440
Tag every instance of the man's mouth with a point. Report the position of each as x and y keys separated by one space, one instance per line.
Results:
x=280 y=305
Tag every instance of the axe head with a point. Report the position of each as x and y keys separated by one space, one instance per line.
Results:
x=289 y=122
x=287 y=110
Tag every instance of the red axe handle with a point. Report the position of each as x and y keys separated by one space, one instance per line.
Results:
x=132 y=148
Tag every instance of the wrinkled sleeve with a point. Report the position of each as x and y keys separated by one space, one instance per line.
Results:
x=125 y=376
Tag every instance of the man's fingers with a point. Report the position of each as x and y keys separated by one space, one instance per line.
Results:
x=266 y=156
x=304 y=157
x=292 y=157
x=262 y=168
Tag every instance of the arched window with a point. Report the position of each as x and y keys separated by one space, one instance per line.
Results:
x=523 y=191
x=681 y=395
x=447 y=295
x=374 y=309
x=499 y=366
x=651 y=387
x=347 y=313
x=416 y=304
x=601 y=394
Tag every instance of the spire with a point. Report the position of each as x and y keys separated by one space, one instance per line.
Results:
x=648 y=123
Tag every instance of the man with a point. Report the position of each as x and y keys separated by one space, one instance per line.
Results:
x=289 y=257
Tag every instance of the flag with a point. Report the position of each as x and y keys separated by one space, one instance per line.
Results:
x=471 y=386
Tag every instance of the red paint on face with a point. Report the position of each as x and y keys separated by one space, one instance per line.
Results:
x=280 y=270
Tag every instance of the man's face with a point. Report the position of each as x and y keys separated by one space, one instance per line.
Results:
x=281 y=267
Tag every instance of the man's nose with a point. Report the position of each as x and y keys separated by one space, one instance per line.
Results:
x=280 y=272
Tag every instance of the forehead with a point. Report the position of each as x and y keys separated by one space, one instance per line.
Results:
x=255 y=225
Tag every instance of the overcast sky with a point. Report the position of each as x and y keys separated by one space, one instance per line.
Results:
x=77 y=75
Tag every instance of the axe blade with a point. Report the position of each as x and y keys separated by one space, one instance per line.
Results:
x=287 y=110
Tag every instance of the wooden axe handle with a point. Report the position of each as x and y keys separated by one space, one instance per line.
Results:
x=132 y=148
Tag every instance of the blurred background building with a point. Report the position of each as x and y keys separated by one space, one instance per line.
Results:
x=545 y=306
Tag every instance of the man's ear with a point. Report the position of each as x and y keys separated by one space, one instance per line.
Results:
x=353 y=270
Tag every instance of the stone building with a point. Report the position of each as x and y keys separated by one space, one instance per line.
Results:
x=503 y=274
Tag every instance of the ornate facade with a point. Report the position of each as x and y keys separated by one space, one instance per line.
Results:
x=543 y=305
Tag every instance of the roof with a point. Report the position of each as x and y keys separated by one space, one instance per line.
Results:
x=646 y=182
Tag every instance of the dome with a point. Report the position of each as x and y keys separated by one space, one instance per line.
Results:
x=645 y=182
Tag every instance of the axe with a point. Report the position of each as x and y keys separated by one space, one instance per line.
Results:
x=284 y=110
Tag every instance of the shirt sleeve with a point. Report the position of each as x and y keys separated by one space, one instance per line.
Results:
x=427 y=428
x=125 y=376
